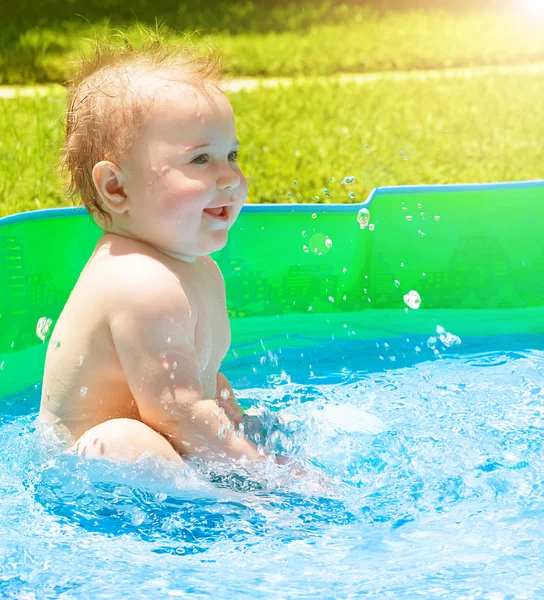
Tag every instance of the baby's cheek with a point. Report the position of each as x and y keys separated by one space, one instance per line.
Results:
x=176 y=195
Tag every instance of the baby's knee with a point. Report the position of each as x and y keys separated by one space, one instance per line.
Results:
x=124 y=440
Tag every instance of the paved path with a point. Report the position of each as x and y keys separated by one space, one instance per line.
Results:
x=250 y=83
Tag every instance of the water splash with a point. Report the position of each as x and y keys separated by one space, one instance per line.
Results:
x=412 y=299
x=363 y=217
x=42 y=327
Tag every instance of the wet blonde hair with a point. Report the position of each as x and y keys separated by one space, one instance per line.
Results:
x=107 y=108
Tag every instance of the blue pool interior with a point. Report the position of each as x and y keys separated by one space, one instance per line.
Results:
x=448 y=501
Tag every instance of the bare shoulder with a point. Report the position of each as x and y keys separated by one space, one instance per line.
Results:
x=142 y=282
x=215 y=273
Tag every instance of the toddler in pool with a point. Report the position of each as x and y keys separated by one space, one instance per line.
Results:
x=133 y=362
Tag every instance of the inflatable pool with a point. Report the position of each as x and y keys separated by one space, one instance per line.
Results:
x=470 y=257
x=424 y=307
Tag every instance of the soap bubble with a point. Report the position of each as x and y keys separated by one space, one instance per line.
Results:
x=412 y=299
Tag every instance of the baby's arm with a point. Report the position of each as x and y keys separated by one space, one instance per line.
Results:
x=227 y=400
x=153 y=332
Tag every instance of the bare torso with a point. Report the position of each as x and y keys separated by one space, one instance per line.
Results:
x=84 y=383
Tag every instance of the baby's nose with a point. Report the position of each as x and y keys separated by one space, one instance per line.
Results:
x=228 y=182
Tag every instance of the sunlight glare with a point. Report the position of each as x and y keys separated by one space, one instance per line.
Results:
x=533 y=7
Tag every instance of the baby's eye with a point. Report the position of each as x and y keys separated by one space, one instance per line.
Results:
x=232 y=157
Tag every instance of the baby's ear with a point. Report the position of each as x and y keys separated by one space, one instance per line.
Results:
x=109 y=182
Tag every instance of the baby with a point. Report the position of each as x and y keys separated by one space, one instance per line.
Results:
x=133 y=362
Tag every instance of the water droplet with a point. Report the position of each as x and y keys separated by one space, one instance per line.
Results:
x=422 y=214
x=448 y=339
x=80 y=362
x=172 y=375
x=404 y=208
x=305 y=248
x=351 y=195
x=348 y=180
x=431 y=341
x=295 y=182
x=42 y=327
x=83 y=391
x=288 y=194
x=424 y=274
x=402 y=264
x=168 y=340
x=344 y=297
x=363 y=217
x=405 y=158
x=417 y=349
x=437 y=218
x=331 y=179
x=419 y=205
x=331 y=299
x=400 y=153
x=310 y=309
x=303 y=234
x=316 y=198
x=174 y=365
x=421 y=233
x=412 y=299
x=344 y=270
x=364 y=290
x=314 y=216
x=371 y=227
x=225 y=394
x=397 y=283
x=326 y=192
x=409 y=217
x=328 y=243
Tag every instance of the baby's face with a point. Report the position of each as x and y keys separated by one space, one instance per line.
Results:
x=182 y=180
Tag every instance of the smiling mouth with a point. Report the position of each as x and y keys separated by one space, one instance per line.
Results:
x=221 y=213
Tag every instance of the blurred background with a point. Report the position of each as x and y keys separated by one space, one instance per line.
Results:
x=390 y=92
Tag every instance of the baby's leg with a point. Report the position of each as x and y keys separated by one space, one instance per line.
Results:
x=124 y=440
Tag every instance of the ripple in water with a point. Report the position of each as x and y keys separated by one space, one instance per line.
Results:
x=447 y=500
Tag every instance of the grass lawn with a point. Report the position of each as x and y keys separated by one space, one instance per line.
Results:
x=482 y=129
x=277 y=38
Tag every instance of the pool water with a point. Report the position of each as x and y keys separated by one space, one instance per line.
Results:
x=446 y=502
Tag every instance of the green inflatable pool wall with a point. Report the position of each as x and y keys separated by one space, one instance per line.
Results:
x=295 y=273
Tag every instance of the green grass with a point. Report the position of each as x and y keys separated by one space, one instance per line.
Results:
x=448 y=131
x=284 y=39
